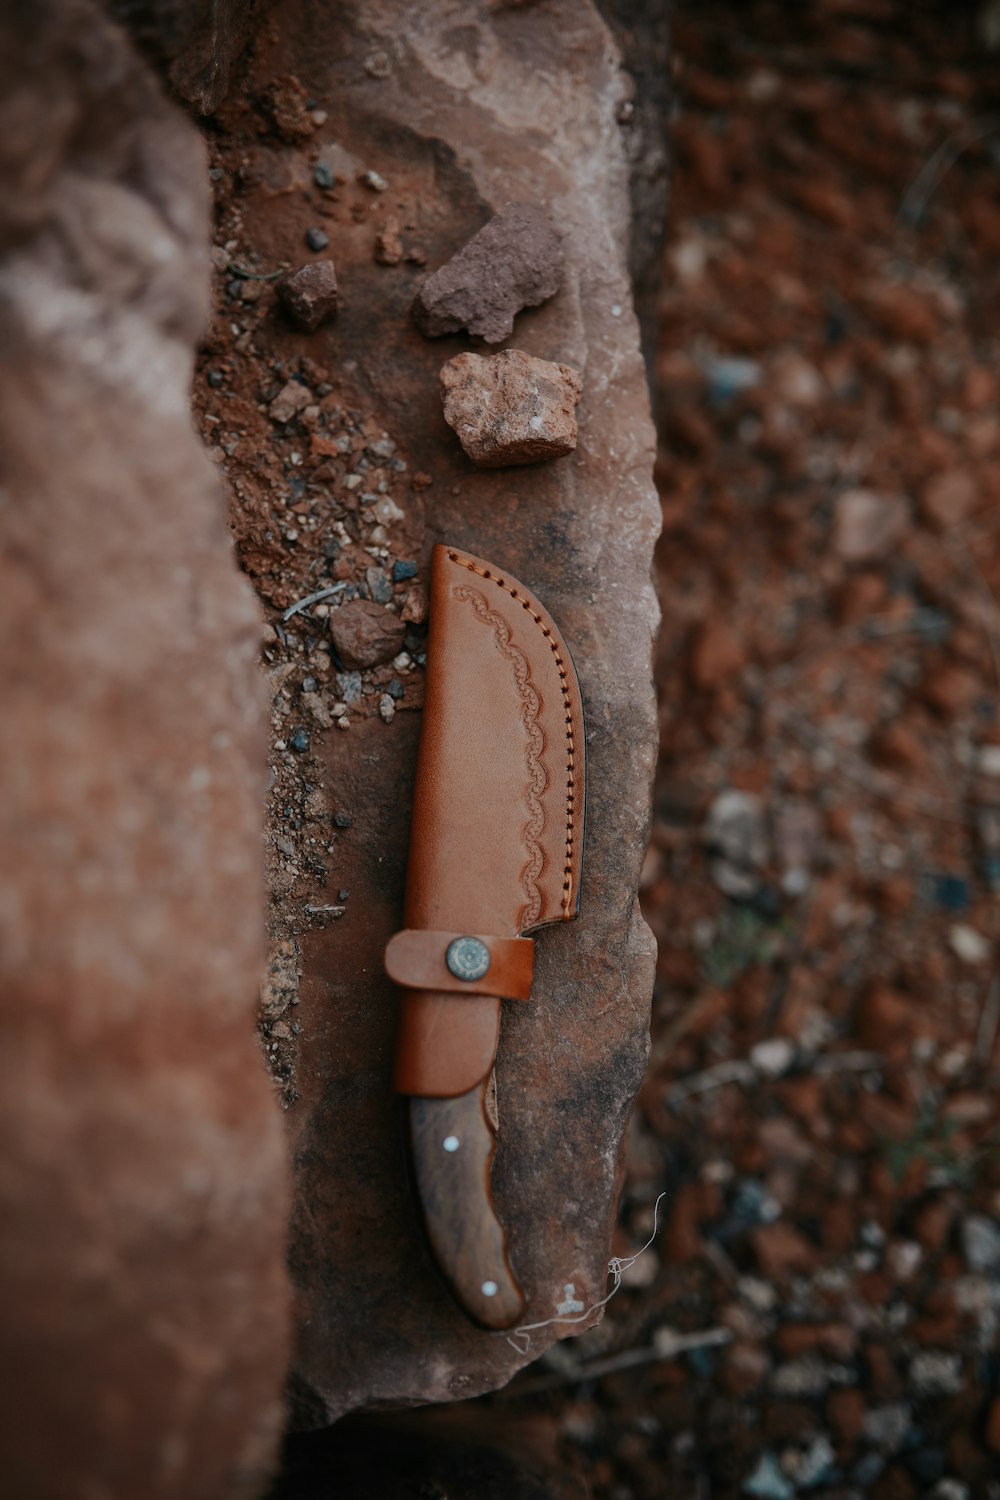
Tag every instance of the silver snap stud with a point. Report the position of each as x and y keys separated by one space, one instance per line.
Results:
x=490 y=1289
x=467 y=958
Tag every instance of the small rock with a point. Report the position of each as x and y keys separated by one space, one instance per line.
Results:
x=389 y=244
x=968 y=945
x=767 y=1482
x=317 y=239
x=386 y=708
x=511 y=408
x=806 y=1377
x=396 y=689
x=386 y=511
x=935 y=1373
x=364 y=634
x=515 y=261
x=290 y=400
x=736 y=838
x=414 y=611
x=401 y=571
x=796 y=840
x=949 y=498
x=342 y=818
x=886 y=1427
x=781 y=1251
x=300 y=741
x=350 y=688
x=374 y=180
x=773 y=1058
x=323 y=175
x=379 y=585
x=981 y=1244
x=867 y=526
x=310 y=294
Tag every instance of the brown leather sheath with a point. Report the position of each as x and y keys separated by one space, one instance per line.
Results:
x=497 y=832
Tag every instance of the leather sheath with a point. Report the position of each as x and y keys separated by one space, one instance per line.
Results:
x=497 y=831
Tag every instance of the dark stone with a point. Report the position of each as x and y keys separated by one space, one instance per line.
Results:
x=317 y=239
x=310 y=293
x=323 y=176
x=342 y=818
x=401 y=571
x=300 y=741
x=515 y=261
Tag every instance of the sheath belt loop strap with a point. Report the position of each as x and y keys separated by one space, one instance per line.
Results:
x=461 y=963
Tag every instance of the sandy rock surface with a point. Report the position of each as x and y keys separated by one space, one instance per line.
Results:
x=344 y=500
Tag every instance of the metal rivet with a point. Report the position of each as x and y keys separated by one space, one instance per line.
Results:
x=450 y=1143
x=490 y=1288
x=467 y=958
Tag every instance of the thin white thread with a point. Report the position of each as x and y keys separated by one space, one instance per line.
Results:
x=616 y=1265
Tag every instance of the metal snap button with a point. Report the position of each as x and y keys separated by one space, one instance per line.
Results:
x=467 y=958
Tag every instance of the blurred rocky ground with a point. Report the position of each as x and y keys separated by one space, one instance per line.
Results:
x=818 y=1314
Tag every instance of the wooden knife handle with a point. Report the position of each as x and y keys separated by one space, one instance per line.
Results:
x=453 y=1144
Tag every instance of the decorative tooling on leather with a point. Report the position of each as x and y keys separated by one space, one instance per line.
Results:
x=537 y=778
x=515 y=594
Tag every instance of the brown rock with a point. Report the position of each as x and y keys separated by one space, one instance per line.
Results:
x=143 y=1334
x=365 y=633
x=310 y=294
x=781 y=1251
x=511 y=408
x=949 y=498
x=905 y=314
x=845 y=1410
x=389 y=244
x=717 y=653
x=515 y=261
x=867 y=526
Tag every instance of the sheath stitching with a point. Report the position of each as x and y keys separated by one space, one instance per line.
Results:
x=494 y=619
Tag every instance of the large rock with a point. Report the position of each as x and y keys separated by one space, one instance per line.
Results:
x=143 y=1330
x=518 y=103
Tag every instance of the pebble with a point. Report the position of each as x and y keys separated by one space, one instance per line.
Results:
x=886 y=1427
x=373 y=180
x=510 y=408
x=317 y=239
x=401 y=571
x=807 y=1377
x=773 y=1058
x=736 y=838
x=969 y=945
x=949 y=499
x=515 y=261
x=396 y=689
x=379 y=585
x=867 y=526
x=310 y=294
x=387 y=708
x=342 y=818
x=323 y=175
x=364 y=634
x=767 y=1482
x=389 y=244
x=935 y=1373
x=290 y=400
x=981 y=1244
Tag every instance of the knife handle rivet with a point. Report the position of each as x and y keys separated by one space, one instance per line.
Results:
x=450 y=1143
x=489 y=1288
x=467 y=958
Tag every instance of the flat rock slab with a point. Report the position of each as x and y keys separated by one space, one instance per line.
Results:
x=448 y=118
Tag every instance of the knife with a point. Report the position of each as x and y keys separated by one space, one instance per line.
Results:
x=496 y=845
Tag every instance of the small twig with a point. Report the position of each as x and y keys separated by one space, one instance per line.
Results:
x=242 y=271
x=300 y=604
x=940 y=163
x=668 y=1347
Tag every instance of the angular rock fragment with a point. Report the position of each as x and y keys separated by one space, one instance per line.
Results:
x=515 y=261
x=365 y=634
x=388 y=244
x=310 y=294
x=290 y=400
x=868 y=526
x=511 y=408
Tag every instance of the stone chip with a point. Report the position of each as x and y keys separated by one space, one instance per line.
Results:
x=511 y=408
x=365 y=634
x=515 y=261
x=310 y=294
